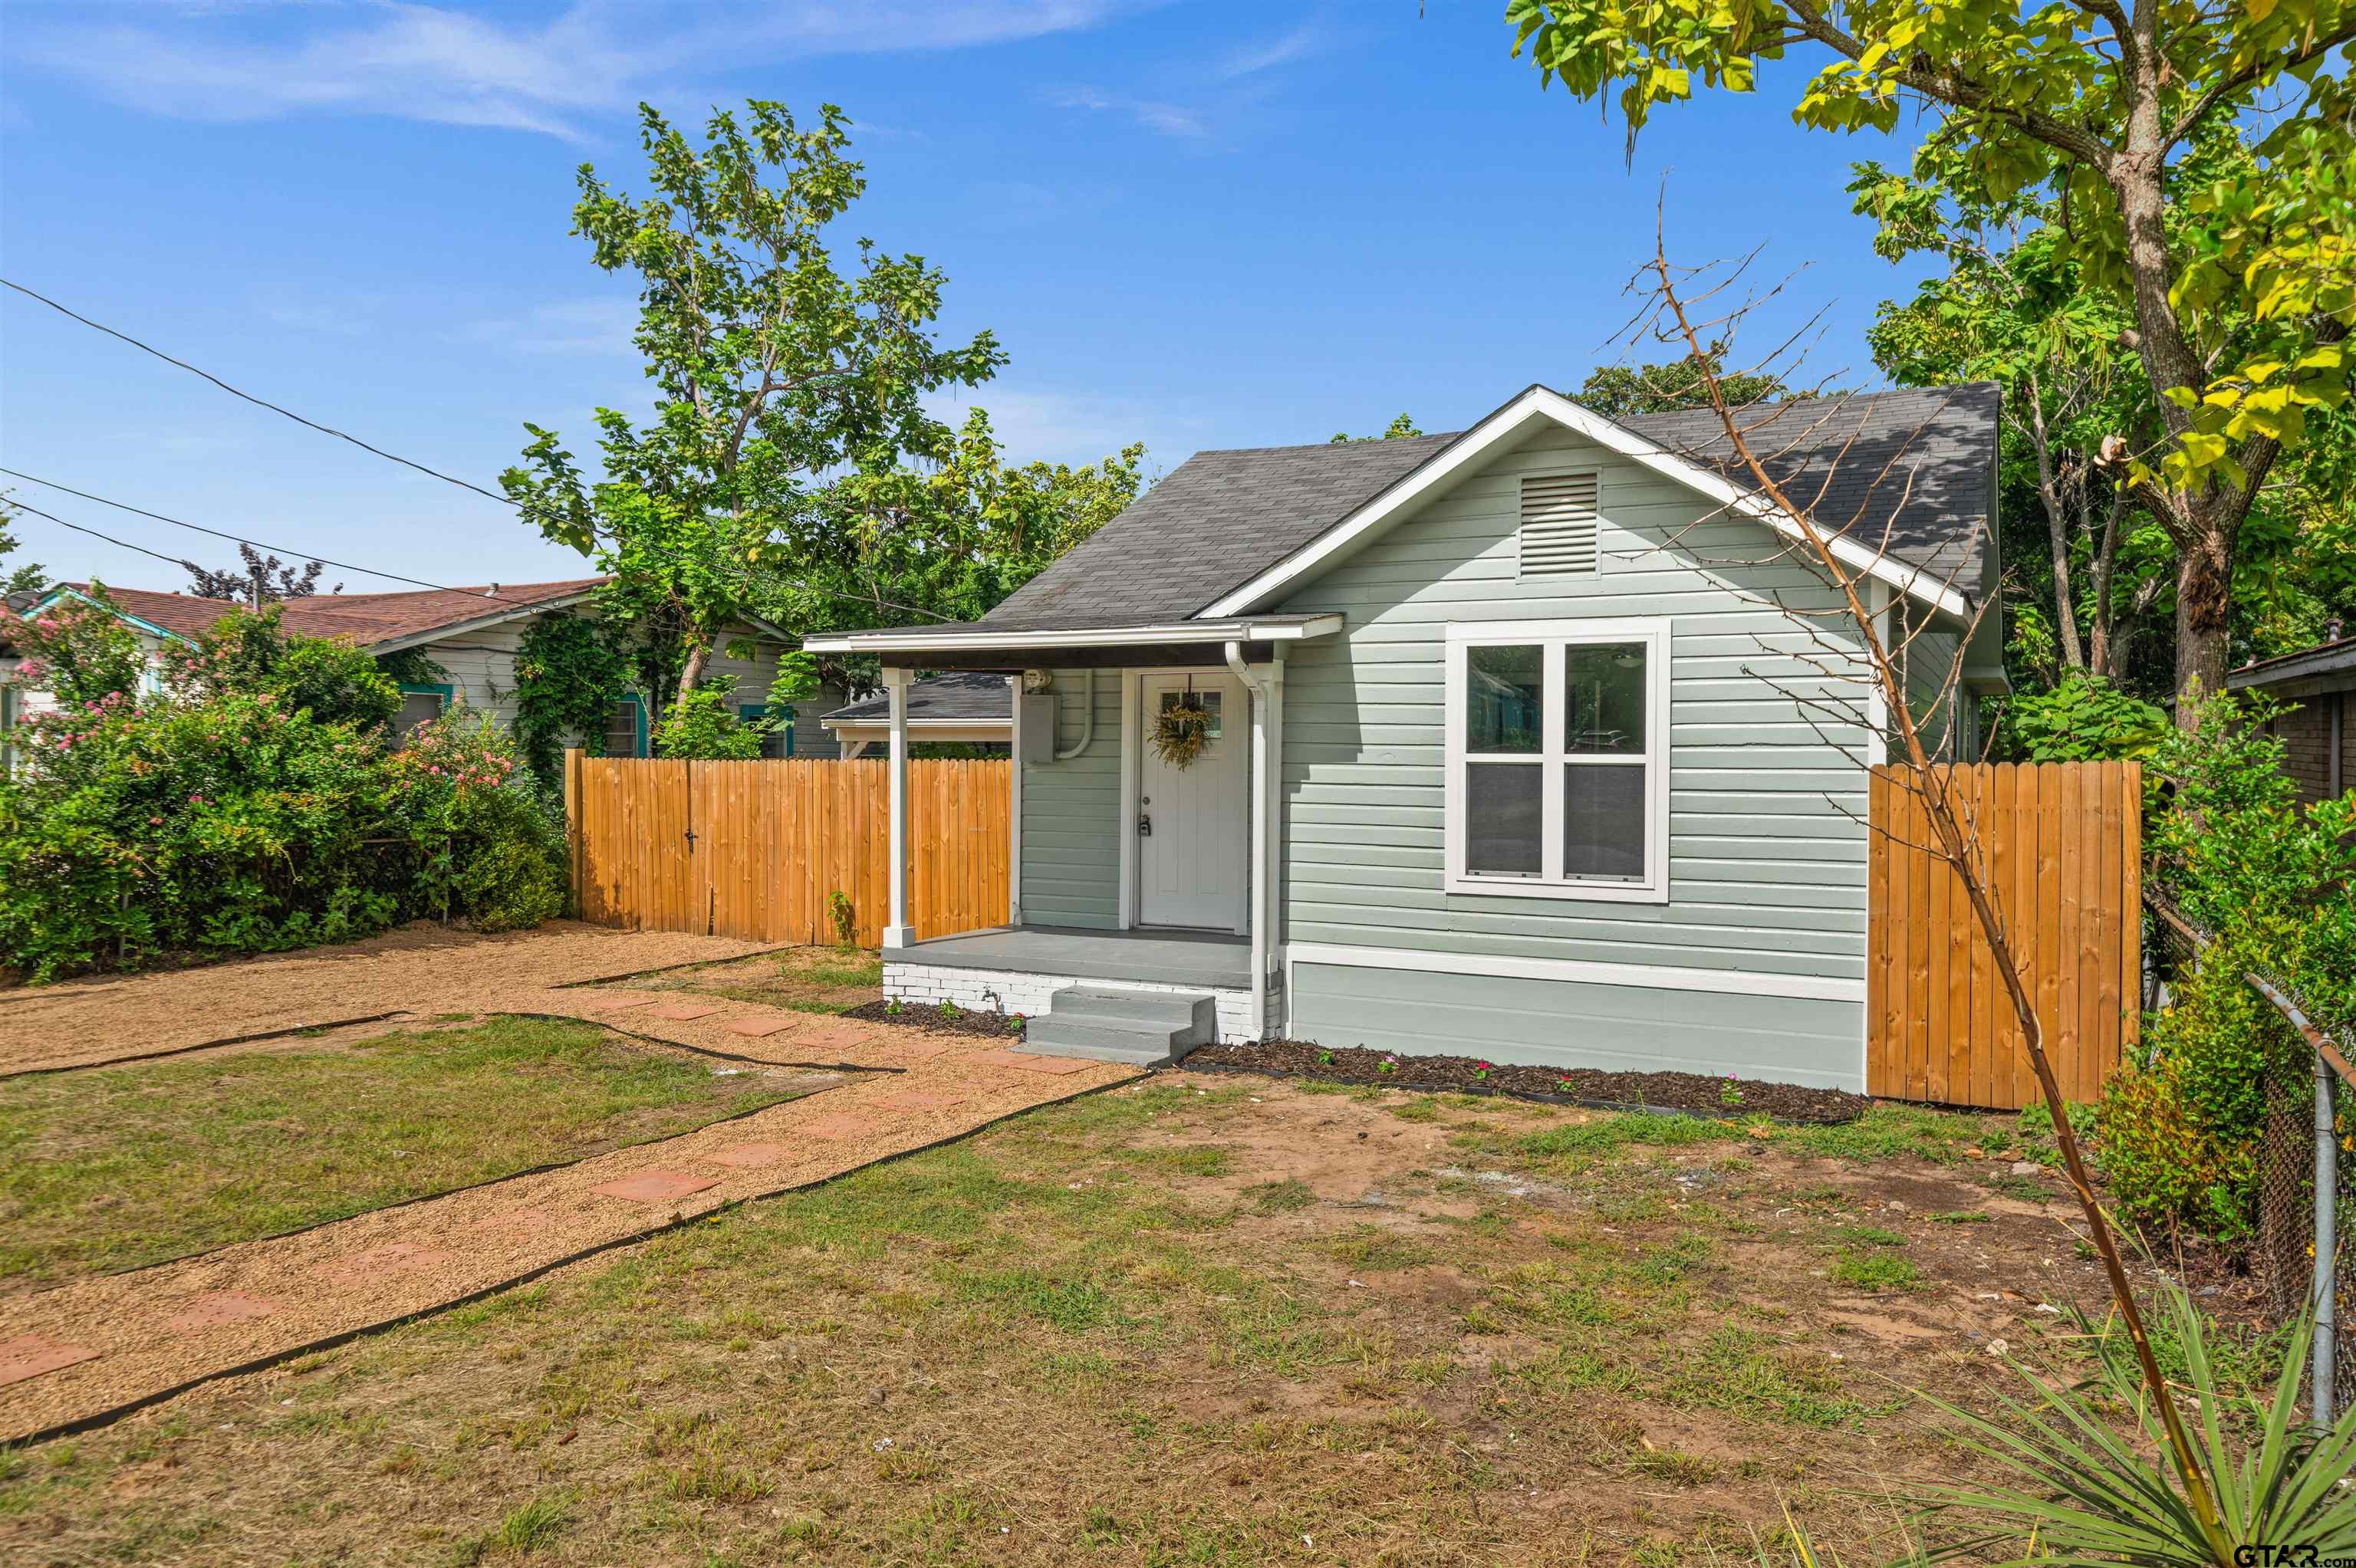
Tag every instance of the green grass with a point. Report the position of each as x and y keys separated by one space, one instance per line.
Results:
x=114 y=1169
x=1285 y=1197
x=1876 y=1271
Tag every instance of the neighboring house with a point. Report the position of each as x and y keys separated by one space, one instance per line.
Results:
x=471 y=634
x=2319 y=743
x=1513 y=754
x=969 y=706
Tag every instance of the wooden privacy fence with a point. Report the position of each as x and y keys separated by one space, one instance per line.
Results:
x=756 y=850
x=2063 y=845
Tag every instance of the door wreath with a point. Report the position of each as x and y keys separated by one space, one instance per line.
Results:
x=1181 y=729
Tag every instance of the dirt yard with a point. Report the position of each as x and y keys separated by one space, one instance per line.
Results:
x=422 y=967
x=1198 y=1319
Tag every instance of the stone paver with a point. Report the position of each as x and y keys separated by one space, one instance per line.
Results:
x=759 y=1026
x=30 y=1355
x=216 y=1307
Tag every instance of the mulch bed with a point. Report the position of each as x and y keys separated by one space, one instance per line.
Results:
x=931 y=1019
x=1693 y=1094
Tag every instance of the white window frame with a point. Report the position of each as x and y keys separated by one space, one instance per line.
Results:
x=1553 y=637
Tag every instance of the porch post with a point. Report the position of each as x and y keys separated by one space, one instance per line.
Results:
x=897 y=932
x=1014 y=802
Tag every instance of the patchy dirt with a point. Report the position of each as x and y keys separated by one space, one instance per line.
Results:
x=930 y=1020
x=1689 y=1092
x=1194 y=1319
x=421 y=968
x=803 y=979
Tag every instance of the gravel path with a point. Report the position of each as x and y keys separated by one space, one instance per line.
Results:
x=88 y=1351
x=420 y=969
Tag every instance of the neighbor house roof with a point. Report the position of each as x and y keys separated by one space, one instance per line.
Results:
x=2325 y=667
x=958 y=697
x=1906 y=479
x=369 y=620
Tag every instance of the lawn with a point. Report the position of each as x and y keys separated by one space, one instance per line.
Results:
x=1196 y=1320
x=802 y=979
x=119 y=1168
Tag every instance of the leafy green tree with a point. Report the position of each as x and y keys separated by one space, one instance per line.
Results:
x=772 y=370
x=2241 y=281
x=952 y=535
x=27 y=578
x=1397 y=429
x=1616 y=392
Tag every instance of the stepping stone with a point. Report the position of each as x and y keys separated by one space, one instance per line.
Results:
x=219 y=1310
x=1058 y=1065
x=30 y=1355
x=626 y=1007
x=761 y=1025
x=654 y=1186
x=840 y=1125
x=681 y=1012
x=393 y=1257
x=921 y=1100
x=749 y=1156
x=833 y=1035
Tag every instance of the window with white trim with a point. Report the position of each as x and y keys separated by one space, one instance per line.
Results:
x=1557 y=759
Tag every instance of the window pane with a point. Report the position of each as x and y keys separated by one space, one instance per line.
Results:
x=622 y=731
x=416 y=708
x=1503 y=691
x=1604 y=821
x=1501 y=819
x=1604 y=699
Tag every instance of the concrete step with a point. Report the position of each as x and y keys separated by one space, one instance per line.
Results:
x=1142 y=1028
x=1172 y=1009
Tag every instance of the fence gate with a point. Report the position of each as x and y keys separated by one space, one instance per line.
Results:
x=758 y=850
x=2063 y=845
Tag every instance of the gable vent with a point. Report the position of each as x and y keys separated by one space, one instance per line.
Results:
x=1557 y=524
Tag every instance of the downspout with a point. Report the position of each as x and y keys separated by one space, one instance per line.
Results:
x=1088 y=718
x=1262 y=904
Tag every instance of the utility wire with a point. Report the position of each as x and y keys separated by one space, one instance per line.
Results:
x=260 y=402
x=93 y=533
x=235 y=539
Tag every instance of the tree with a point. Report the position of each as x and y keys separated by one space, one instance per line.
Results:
x=28 y=578
x=250 y=653
x=1616 y=392
x=952 y=535
x=771 y=369
x=2098 y=106
x=1397 y=429
x=262 y=580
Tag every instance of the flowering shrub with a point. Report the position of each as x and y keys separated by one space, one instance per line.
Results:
x=250 y=652
x=234 y=822
x=78 y=652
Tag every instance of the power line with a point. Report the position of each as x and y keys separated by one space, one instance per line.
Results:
x=234 y=539
x=93 y=533
x=261 y=402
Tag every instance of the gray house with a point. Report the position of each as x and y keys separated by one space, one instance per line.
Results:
x=1527 y=741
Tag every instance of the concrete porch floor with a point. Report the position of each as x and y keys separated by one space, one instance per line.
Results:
x=1162 y=957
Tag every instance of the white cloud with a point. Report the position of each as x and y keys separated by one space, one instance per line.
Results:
x=1169 y=119
x=1299 y=44
x=432 y=63
x=602 y=324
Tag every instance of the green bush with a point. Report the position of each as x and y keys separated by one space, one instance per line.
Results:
x=490 y=840
x=81 y=653
x=2164 y=1168
x=252 y=653
x=699 y=728
x=2085 y=718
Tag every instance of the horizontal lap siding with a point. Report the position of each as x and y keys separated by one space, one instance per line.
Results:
x=1768 y=875
x=1071 y=813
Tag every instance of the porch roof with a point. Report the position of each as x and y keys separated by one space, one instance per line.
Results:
x=989 y=637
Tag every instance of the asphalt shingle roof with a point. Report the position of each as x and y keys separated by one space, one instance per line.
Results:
x=1910 y=471
x=366 y=619
x=970 y=698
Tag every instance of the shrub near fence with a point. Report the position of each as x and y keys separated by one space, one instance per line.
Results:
x=757 y=849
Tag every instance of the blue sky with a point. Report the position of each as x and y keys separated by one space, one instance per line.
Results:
x=1195 y=225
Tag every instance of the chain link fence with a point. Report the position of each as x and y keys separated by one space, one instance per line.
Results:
x=2291 y=1152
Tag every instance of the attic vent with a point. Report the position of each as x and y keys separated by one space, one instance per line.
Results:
x=1557 y=524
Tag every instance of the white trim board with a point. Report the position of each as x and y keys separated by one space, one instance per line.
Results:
x=1653 y=977
x=980 y=637
x=1541 y=404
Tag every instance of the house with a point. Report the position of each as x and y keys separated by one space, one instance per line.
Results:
x=2319 y=686
x=1510 y=750
x=469 y=636
x=964 y=707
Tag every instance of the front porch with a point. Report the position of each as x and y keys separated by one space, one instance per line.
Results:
x=1023 y=969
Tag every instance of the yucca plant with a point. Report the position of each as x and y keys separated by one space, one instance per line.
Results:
x=2085 y=1494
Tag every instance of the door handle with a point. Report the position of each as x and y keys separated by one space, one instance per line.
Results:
x=1144 y=825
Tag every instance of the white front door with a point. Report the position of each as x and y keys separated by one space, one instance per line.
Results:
x=1194 y=824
